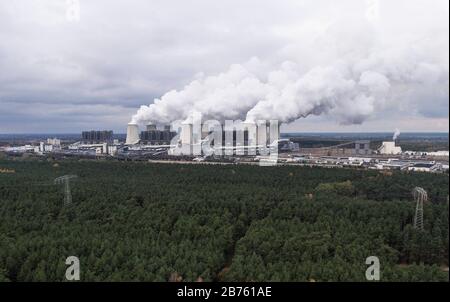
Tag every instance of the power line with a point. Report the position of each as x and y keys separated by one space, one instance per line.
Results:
x=420 y=196
x=66 y=181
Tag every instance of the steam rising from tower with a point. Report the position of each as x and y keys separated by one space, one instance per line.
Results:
x=349 y=93
x=396 y=134
x=347 y=73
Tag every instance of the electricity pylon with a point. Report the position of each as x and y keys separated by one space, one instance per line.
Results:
x=420 y=196
x=66 y=181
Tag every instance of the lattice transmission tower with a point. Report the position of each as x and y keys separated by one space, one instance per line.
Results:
x=66 y=181
x=420 y=196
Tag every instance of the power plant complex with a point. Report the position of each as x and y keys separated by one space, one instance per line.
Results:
x=234 y=142
x=233 y=138
x=151 y=136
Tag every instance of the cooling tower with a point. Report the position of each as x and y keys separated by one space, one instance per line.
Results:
x=132 y=134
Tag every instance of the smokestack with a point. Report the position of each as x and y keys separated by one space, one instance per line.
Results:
x=396 y=134
x=132 y=134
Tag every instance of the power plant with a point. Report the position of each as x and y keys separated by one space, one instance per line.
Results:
x=234 y=142
x=234 y=138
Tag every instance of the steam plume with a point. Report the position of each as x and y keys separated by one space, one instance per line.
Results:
x=396 y=134
x=351 y=82
x=350 y=91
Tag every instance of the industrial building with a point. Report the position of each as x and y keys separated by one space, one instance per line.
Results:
x=425 y=167
x=97 y=137
x=53 y=144
x=235 y=139
x=352 y=148
x=441 y=154
x=101 y=148
x=389 y=148
x=239 y=138
x=355 y=154
x=153 y=136
x=362 y=147
x=53 y=141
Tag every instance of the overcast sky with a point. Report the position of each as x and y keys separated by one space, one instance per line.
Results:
x=68 y=68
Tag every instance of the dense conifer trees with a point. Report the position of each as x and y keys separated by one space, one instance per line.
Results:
x=159 y=222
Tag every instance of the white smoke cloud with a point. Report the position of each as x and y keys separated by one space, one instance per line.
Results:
x=351 y=91
x=381 y=62
x=350 y=70
x=396 y=134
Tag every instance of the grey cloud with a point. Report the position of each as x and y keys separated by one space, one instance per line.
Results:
x=122 y=54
